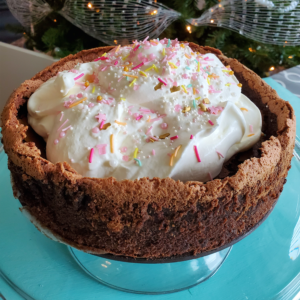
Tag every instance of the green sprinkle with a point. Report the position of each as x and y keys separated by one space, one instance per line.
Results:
x=196 y=61
x=128 y=79
x=190 y=85
x=194 y=103
x=188 y=68
x=169 y=43
x=138 y=161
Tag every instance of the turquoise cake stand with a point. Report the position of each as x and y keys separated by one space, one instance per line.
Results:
x=264 y=265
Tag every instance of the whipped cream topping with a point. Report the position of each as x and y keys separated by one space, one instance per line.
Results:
x=152 y=109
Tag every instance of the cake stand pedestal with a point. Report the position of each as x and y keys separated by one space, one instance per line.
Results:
x=150 y=277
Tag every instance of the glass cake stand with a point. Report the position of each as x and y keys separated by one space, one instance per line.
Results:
x=264 y=265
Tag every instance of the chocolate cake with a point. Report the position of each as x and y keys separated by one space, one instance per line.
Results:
x=150 y=218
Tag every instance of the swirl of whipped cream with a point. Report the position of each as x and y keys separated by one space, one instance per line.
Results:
x=153 y=109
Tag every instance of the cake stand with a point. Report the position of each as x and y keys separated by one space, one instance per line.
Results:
x=264 y=265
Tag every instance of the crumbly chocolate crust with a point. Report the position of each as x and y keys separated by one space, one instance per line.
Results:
x=151 y=218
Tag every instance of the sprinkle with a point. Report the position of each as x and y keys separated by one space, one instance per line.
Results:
x=160 y=80
x=189 y=86
x=62 y=125
x=251 y=128
x=93 y=90
x=104 y=68
x=172 y=65
x=65 y=129
x=191 y=137
x=120 y=123
x=95 y=130
x=101 y=148
x=153 y=152
x=171 y=160
x=135 y=152
x=61 y=116
x=91 y=155
x=125 y=56
x=118 y=48
x=210 y=122
x=197 y=154
x=198 y=98
x=158 y=86
x=208 y=81
x=149 y=119
x=138 y=66
x=187 y=56
x=112 y=143
x=176 y=150
x=155 y=68
x=77 y=102
x=227 y=84
x=174 y=137
x=138 y=161
x=132 y=82
x=194 y=91
x=149 y=129
x=56 y=142
x=226 y=71
x=123 y=99
x=174 y=89
x=137 y=47
x=169 y=43
x=188 y=68
x=231 y=73
x=182 y=45
x=202 y=107
x=250 y=134
x=209 y=175
x=206 y=100
x=150 y=68
x=102 y=123
x=105 y=126
x=79 y=76
x=143 y=74
x=183 y=86
x=220 y=154
x=186 y=109
x=164 y=51
x=194 y=103
x=125 y=157
x=198 y=68
x=132 y=76
x=164 y=126
x=239 y=85
x=163 y=136
x=139 y=117
x=86 y=83
x=243 y=108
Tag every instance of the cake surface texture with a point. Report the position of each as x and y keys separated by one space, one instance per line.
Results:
x=150 y=217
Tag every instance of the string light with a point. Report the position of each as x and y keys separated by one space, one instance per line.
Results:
x=211 y=21
x=55 y=20
x=154 y=12
x=272 y=68
x=90 y=5
x=291 y=56
x=189 y=29
x=116 y=42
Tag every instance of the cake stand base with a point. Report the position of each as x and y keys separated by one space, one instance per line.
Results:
x=150 y=278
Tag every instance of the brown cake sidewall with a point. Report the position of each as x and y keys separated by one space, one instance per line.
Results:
x=156 y=217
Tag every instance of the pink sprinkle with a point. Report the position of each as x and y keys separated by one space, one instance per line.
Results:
x=210 y=122
x=62 y=125
x=79 y=95
x=61 y=116
x=149 y=129
x=104 y=68
x=138 y=66
x=136 y=87
x=80 y=83
x=153 y=152
x=100 y=117
x=56 y=142
x=185 y=76
x=137 y=47
x=191 y=137
x=91 y=155
x=125 y=157
x=251 y=128
x=91 y=105
x=153 y=138
x=197 y=154
x=177 y=107
x=62 y=134
x=65 y=129
x=209 y=175
x=219 y=153
x=116 y=62
x=97 y=59
x=131 y=106
x=145 y=110
x=101 y=148
x=164 y=126
x=123 y=149
x=102 y=123
x=175 y=137
x=169 y=154
x=121 y=78
x=95 y=130
x=79 y=76
x=160 y=80
x=146 y=39
x=139 y=117
x=72 y=97
x=103 y=58
x=74 y=71
x=200 y=112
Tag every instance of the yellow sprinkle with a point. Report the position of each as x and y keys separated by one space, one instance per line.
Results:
x=120 y=123
x=239 y=85
x=123 y=99
x=243 y=108
x=132 y=82
x=183 y=86
x=112 y=143
x=176 y=150
x=118 y=48
x=149 y=69
x=99 y=98
x=194 y=91
x=155 y=68
x=198 y=69
x=227 y=84
x=86 y=83
x=198 y=98
x=78 y=102
x=135 y=152
x=181 y=45
x=203 y=107
x=187 y=56
x=206 y=100
x=149 y=118
x=164 y=52
x=226 y=71
x=231 y=73
x=250 y=134
x=171 y=160
x=104 y=54
x=172 y=65
x=143 y=74
x=208 y=81
x=125 y=56
x=93 y=90
x=132 y=76
x=126 y=69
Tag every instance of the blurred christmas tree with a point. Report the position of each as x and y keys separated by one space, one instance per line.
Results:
x=58 y=37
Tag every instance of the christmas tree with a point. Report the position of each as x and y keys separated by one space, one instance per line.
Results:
x=58 y=37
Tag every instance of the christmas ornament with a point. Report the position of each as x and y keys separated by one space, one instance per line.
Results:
x=121 y=21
